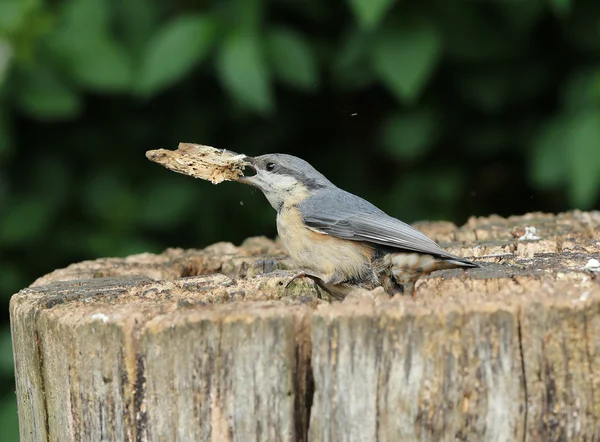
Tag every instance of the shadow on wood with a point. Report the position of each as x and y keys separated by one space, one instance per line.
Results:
x=210 y=345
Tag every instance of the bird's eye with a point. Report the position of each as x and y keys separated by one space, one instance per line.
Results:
x=270 y=166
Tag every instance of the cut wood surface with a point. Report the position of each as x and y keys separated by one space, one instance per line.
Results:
x=209 y=344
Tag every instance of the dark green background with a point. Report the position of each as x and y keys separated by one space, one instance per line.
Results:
x=432 y=109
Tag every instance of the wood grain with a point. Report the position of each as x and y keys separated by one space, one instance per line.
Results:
x=210 y=345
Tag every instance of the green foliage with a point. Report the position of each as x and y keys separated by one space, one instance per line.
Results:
x=46 y=96
x=561 y=7
x=6 y=358
x=85 y=48
x=13 y=279
x=8 y=404
x=5 y=141
x=429 y=109
x=174 y=52
x=410 y=135
x=351 y=67
x=166 y=202
x=567 y=149
x=25 y=220
x=583 y=135
x=24 y=22
x=568 y=152
x=292 y=58
x=6 y=53
x=9 y=419
x=244 y=72
x=99 y=64
x=405 y=59
x=370 y=12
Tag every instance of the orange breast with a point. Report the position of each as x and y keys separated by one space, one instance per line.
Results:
x=328 y=256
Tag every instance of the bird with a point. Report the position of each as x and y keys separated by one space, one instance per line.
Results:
x=340 y=240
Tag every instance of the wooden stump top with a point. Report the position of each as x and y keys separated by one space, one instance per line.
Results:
x=210 y=345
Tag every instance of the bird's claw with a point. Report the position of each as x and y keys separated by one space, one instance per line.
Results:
x=297 y=275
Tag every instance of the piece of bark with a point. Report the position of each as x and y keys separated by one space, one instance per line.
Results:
x=204 y=345
x=204 y=162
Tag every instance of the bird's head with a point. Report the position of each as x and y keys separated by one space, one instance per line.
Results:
x=284 y=179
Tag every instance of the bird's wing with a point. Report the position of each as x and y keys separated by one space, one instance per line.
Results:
x=353 y=218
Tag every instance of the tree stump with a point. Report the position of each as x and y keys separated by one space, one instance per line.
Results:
x=210 y=345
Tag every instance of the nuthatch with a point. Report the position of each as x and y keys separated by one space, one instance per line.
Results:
x=340 y=240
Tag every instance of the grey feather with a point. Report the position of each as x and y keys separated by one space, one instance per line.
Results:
x=344 y=215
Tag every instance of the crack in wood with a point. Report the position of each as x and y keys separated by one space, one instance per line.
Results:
x=523 y=372
x=42 y=386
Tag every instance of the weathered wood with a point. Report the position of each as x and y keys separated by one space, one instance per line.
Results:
x=404 y=374
x=210 y=345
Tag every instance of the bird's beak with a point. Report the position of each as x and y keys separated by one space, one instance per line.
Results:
x=249 y=173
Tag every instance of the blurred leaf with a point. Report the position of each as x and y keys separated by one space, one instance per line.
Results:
x=168 y=202
x=531 y=81
x=520 y=17
x=446 y=185
x=109 y=198
x=487 y=139
x=174 y=51
x=3 y=191
x=496 y=88
x=568 y=149
x=14 y=14
x=582 y=151
x=292 y=58
x=45 y=96
x=471 y=33
x=370 y=12
x=5 y=135
x=410 y=135
x=51 y=178
x=561 y=7
x=84 y=17
x=24 y=220
x=580 y=28
x=136 y=21
x=405 y=59
x=248 y=15
x=488 y=91
x=408 y=193
x=429 y=194
x=28 y=31
x=87 y=50
x=582 y=89
x=547 y=157
x=351 y=67
x=7 y=367
x=100 y=64
x=9 y=418
x=6 y=55
x=13 y=280
x=11 y=12
x=243 y=72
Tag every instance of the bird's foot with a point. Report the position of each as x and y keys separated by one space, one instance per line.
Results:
x=303 y=274
x=315 y=279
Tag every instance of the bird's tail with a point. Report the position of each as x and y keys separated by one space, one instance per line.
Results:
x=459 y=262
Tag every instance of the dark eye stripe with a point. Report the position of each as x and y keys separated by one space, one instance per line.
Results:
x=309 y=183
